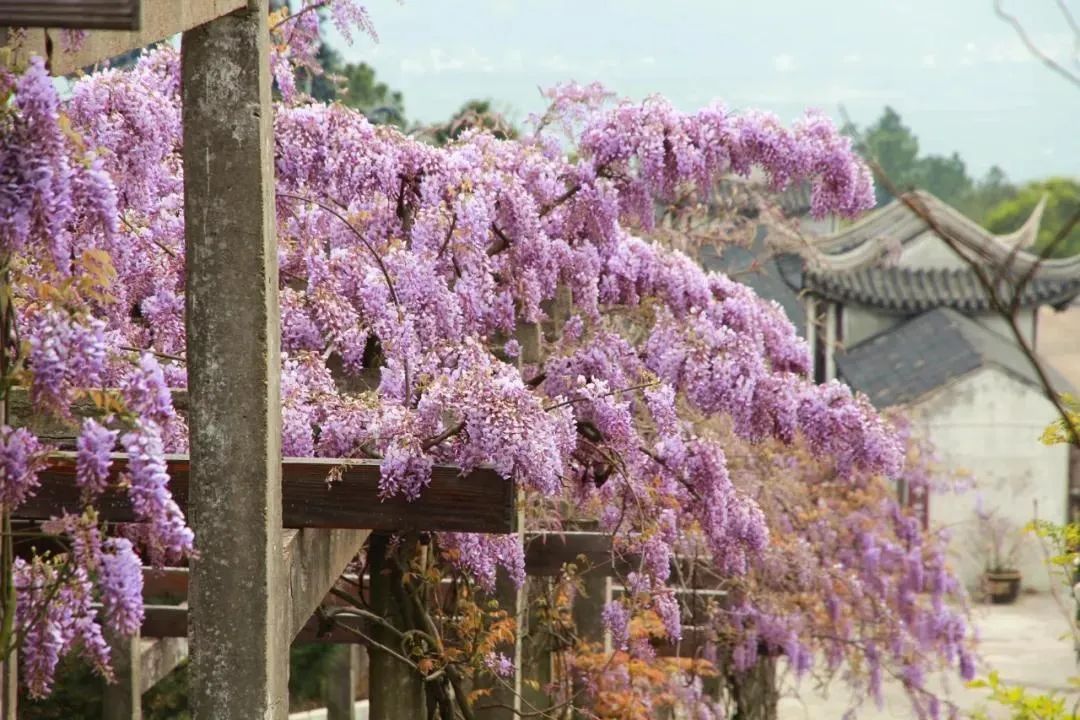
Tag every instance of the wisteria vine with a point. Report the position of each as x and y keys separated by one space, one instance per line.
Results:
x=417 y=291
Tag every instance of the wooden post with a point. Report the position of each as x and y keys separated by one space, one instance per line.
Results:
x=587 y=614
x=340 y=691
x=9 y=687
x=754 y=691
x=536 y=656
x=9 y=666
x=397 y=691
x=239 y=613
x=503 y=702
x=122 y=699
x=507 y=696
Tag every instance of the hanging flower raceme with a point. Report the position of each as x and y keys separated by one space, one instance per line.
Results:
x=407 y=272
x=68 y=274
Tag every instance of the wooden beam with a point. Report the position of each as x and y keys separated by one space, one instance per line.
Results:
x=314 y=560
x=479 y=502
x=170 y=621
x=168 y=582
x=547 y=552
x=77 y=14
x=164 y=621
x=161 y=20
x=159 y=657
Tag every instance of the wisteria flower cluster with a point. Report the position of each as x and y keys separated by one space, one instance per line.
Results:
x=490 y=302
x=60 y=250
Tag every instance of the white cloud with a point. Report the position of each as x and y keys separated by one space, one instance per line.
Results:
x=784 y=63
x=555 y=62
x=929 y=60
x=852 y=59
x=648 y=60
x=437 y=61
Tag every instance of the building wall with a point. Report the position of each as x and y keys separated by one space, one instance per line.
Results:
x=862 y=323
x=1058 y=340
x=993 y=321
x=988 y=423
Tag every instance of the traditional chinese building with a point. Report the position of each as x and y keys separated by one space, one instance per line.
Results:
x=896 y=312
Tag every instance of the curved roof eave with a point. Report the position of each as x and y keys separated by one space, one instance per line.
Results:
x=898 y=223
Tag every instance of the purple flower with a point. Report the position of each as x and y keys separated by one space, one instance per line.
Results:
x=146 y=393
x=21 y=457
x=121 y=583
x=168 y=535
x=616 y=619
x=92 y=461
x=499 y=664
x=65 y=353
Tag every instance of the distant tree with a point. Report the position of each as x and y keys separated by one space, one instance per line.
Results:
x=945 y=177
x=355 y=85
x=893 y=146
x=1062 y=204
x=986 y=193
x=472 y=115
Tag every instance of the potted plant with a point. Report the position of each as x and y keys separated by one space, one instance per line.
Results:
x=999 y=540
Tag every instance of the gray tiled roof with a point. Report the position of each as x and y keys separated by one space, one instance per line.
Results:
x=763 y=272
x=908 y=291
x=905 y=363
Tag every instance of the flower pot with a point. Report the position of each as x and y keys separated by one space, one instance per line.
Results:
x=1002 y=586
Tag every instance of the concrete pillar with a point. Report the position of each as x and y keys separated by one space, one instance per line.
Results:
x=239 y=614
x=397 y=691
x=122 y=699
x=340 y=691
x=811 y=333
x=830 y=341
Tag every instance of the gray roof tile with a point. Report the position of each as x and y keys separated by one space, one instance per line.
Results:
x=908 y=291
x=905 y=363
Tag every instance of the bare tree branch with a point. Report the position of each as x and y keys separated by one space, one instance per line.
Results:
x=1034 y=49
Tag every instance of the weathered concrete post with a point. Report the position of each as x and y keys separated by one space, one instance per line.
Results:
x=397 y=691
x=238 y=619
x=122 y=700
x=340 y=690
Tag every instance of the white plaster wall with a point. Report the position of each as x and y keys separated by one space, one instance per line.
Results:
x=989 y=423
x=861 y=323
x=993 y=321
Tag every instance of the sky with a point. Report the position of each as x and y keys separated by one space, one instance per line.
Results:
x=958 y=76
